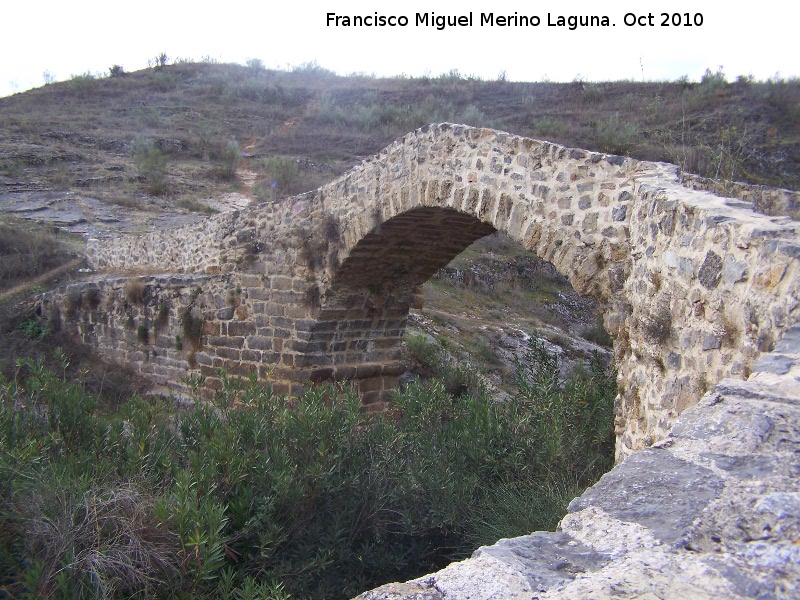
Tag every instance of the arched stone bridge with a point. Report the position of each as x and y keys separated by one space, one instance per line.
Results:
x=693 y=286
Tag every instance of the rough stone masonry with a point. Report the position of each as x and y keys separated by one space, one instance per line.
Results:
x=693 y=286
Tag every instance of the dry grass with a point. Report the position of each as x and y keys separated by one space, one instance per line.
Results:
x=107 y=537
x=28 y=250
x=134 y=290
x=324 y=123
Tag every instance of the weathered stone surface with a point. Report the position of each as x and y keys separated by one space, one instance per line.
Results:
x=546 y=559
x=655 y=489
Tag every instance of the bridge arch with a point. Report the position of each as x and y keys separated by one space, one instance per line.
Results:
x=409 y=214
x=693 y=286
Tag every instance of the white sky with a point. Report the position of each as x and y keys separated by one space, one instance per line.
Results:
x=67 y=37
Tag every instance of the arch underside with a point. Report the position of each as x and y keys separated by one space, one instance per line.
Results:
x=362 y=316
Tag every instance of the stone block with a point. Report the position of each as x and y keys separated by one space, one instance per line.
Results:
x=228 y=353
x=258 y=342
x=710 y=271
x=241 y=328
x=225 y=341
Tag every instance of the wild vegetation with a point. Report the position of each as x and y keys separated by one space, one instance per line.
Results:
x=26 y=250
x=305 y=497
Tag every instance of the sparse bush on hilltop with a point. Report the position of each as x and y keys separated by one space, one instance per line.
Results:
x=256 y=64
x=159 y=62
x=82 y=83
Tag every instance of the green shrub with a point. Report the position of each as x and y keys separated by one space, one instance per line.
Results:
x=151 y=164
x=255 y=64
x=573 y=420
x=230 y=160
x=32 y=328
x=82 y=83
x=307 y=495
x=424 y=353
x=548 y=127
x=282 y=172
x=614 y=136
x=163 y=81
x=712 y=83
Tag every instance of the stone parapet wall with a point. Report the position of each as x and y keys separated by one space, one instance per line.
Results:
x=176 y=327
x=712 y=511
x=693 y=286
x=712 y=286
x=767 y=200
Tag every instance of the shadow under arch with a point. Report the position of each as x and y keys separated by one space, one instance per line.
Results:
x=362 y=315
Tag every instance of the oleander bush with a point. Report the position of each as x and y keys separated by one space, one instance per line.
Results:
x=305 y=496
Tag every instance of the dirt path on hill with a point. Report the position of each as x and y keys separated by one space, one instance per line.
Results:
x=40 y=278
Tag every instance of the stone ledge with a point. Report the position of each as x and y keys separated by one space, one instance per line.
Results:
x=712 y=511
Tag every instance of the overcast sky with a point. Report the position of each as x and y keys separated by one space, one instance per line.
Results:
x=68 y=37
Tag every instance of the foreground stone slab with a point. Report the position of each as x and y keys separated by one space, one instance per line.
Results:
x=712 y=511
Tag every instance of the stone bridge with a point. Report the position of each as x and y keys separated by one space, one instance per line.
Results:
x=693 y=286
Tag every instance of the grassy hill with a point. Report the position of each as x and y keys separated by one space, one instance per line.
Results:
x=93 y=133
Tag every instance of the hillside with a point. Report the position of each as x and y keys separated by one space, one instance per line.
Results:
x=83 y=135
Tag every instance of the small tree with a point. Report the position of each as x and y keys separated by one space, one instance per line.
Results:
x=256 y=64
x=159 y=61
x=116 y=71
x=151 y=164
